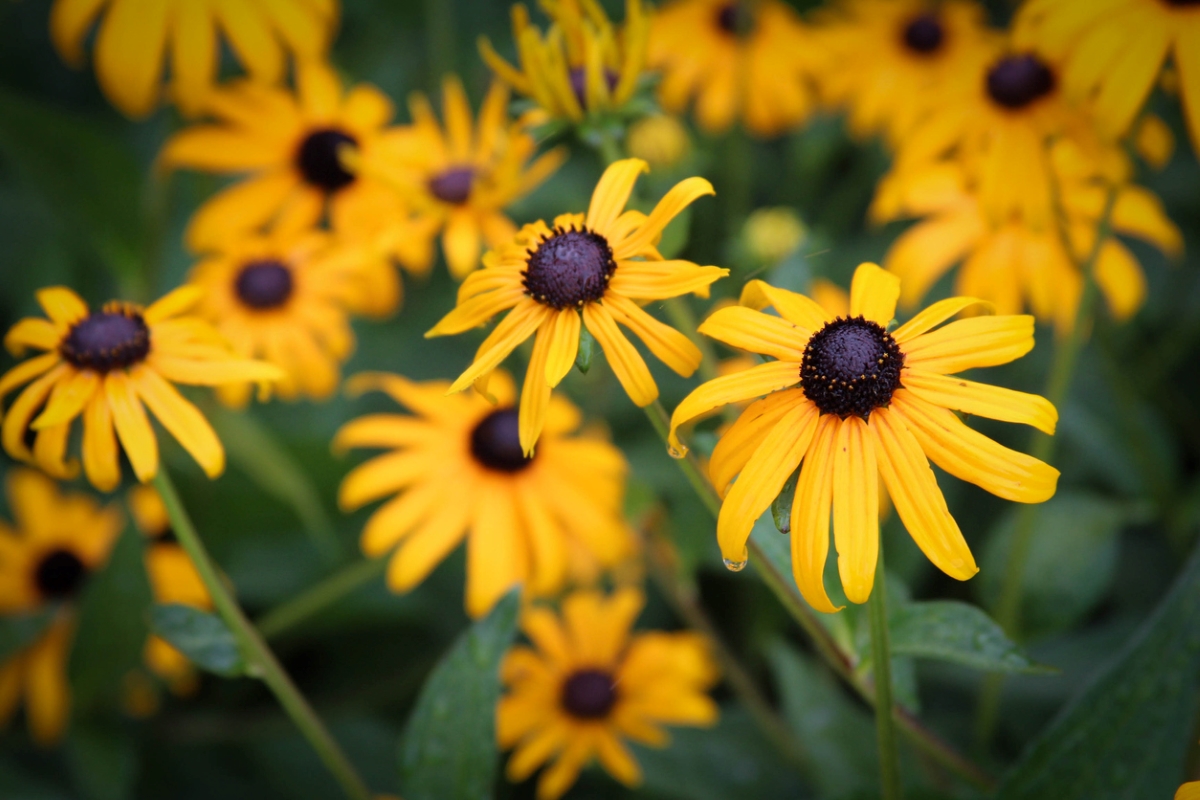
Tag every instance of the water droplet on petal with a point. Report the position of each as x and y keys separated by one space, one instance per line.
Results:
x=735 y=566
x=674 y=452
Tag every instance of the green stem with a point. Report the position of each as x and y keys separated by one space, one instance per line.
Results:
x=682 y=317
x=1062 y=370
x=609 y=148
x=881 y=661
x=282 y=619
x=261 y=662
x=841 y=662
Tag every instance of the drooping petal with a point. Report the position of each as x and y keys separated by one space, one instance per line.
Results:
x=754 y=382
x=100 y=461
x=525 y=318
x=68 y=400
x=763 y=478
x=737 y=444
x=669 y=345
x=535 y=394
x=810 y=516
x=993 y=402
x=182 y=419
x=624 y=360
x=970 y=343
x=129 y=53
x=681 y=195
x=133 y=427
x=40 y=334
x=855 y=508
x=497 y=551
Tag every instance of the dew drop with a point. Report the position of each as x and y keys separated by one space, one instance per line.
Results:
x=735 y=566
x=675 y=452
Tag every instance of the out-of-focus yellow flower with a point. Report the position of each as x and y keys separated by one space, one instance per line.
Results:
x=458 y=470
x=58 y=541
x=880 y=58
x=737 y=59
x=660 y=140
x=773 y=234
x=272 y=297
x=846 y=401
x=830 y=297
x=1111 y=53
x=1015 y=266
x=589 y=682
x=1188 y=791
x=303 y=151
x=459 y=180
x=582 y=65
x=110 y=366
x=597 y=267
x=134 y=38
x=173 y=579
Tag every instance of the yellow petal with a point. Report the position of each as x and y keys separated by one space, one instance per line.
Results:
x=68 y=399
x=763 y=478
x=425 y=547
x=16 y=419
x=460 y=241
x=624 y=360
x=795 y=308
x=129 y=54
x=855 y=508
x=62 y=305
x=182 y=419
x=744 y=436
x=919 y=502
x=100 y=461
x=873 y=294
x=133 y=428
x=525 y=318
x=497 y=557
x=993 y=402
x=933 y=316
x=251 y=39
x=535 y=394
x=747 y=329
x=970 y=343
x=810 y=516
x=26 y=371
x=612 y=192
x=47 y=692
x=682 y=195
x=658 y=280
x=173 y=304
x=401 y=515
x=196 y=372
x=669 y=345
x=194 y=53
x=69 y=24
x=754 y=382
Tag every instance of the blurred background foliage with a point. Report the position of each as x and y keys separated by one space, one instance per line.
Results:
x=82 y=204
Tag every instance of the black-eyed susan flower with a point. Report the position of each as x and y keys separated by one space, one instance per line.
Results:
x=57 y=541
x=302 y=153
x=458 y=471
x=273 y=298
x=110 y=366
x=582 y=65
x=747 y=60
x=134 y=38
x=881 y=59
x=1015 y=266
x=589 y=683
x=595 y=266
x=1112 y=53
x=460 y=179
x=847 y=401
x=173 y=579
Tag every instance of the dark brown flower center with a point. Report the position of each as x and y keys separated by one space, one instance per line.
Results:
x=851 y=367
x=59 y=575
x=319 y=159
x=735 y=19
x=578 y=76
x=264 y=285
x=589 y=694
x=1183 y=3
x=453 y=185
x=1016 y=81
x=115 y=337
x=924 y=34
x=569 y=268
x=496 y=442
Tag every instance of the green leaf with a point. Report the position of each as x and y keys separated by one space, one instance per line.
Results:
x=947 y=630
x=587 y=349
x=830 y=727
x=729 y=760
x=1127 y=734
x=781 y=506
x=20 y=630
x=202 y=637
x=112 y=625
x=1071 y=562
x=449 y=747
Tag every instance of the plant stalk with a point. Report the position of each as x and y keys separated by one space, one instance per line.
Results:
x=261 y=662
x=285 y=617
x=881 y=665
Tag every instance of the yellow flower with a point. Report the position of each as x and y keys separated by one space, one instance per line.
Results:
x=1013 y=265
x=773 y=234
x=747 y=59
x=59 y=540
x=135 y=36
x=173 y=579
x=590 y=683
x=584 y=264
x=582 y=65
x=272 y=297
x=1188 y=791
x=1113 y=52
x=847 y=401
x=661 y=141
x=830 y=297
x=881 y=59
x=110 y=366
x=302 y=151
x=997 y=117
x=458 y=469
x=461 y=179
